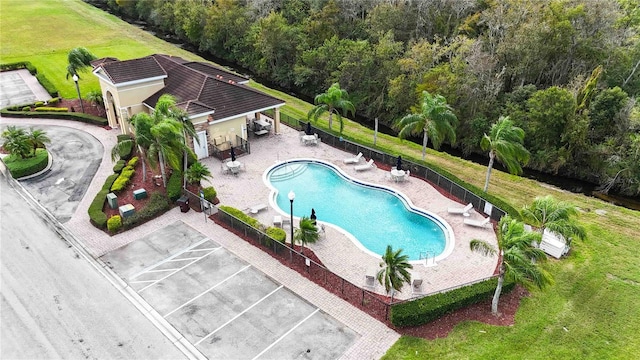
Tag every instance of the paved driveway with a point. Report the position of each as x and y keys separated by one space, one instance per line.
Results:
x=224 y=306
x=20 y=87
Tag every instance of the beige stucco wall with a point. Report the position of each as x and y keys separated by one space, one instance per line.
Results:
x=229 y=129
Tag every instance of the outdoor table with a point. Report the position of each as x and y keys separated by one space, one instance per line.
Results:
x=397 y=175
x=234 y=166
x=308 y=139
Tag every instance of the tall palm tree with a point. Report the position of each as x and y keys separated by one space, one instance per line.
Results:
x=519 y=260
x=307 y=233
x=435 y=120
x=505 y=142
x=78 y=60
x=16 y=141
x=332 y=101
x=394 y=270
x=38 y=138
x=558 y=216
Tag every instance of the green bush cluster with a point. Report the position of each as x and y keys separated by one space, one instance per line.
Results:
x=53 y=101
x=23 y=167
x=209 y=193
x=120 y=164
x=174 y=186
x=429 y=308
x=85 y=118
x=158 y=204
x=123 y=179
x=133 y=162
x=38 y=103
x=277 y=234
x=97 y=217
x=51 y=109
x=26 y=108
x=114 y=224
x=242 y=216
x=125 y=151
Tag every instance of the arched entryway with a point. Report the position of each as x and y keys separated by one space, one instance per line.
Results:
x=112 y=114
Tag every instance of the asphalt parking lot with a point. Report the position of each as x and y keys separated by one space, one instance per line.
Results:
x=223 y=305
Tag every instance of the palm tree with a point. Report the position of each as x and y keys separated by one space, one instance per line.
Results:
x=557 y=216
x=79 y=59
x=394 y=273
x=332 y=101
x=197 y=172
x=16 y=141
x=519 y=259
x=505 y=143
x=435 y=120
x=38 y=138
x=307 y=233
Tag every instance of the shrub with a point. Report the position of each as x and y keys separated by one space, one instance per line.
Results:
x=158 y=204
x=125 y=151
x=209 y=193
x=51 y=109
x=174 y=186
x=242 y=216
x=277 y=234
x=97 y=217
x=47 y=85
x=28 y=166
x=117 y=168
x=54 y=101
x=38 y=103
x=133 y=161
x=114 y=224
x=123 y=179
x=26 y=108
x=429 y=308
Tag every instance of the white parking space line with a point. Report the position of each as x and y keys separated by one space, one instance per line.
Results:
x=237 y=316
x=161 y=270
x=170 y=258
x=181 y=268
x=185 y=259
x=140 y=281
x=285 y=334
x=206 y=291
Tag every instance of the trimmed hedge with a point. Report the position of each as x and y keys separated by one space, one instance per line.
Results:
x=277 y=234
x=242 y=216
x=52 y=109
x=114 y=224
x=174 y=186
x=24 y=167
x=123 y=179
x=85 y=118
x=158 y=204
x=209 y=193
x=19 y=65
x=133 y=162
x=47 y=85
x=429 y=308
x=97 y=217
x=120 y=164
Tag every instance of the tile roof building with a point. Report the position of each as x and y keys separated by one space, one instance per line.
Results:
x=218 y=102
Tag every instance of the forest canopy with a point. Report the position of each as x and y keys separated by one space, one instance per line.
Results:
x=565 y=71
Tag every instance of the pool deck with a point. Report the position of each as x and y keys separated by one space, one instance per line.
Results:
x=336 y=250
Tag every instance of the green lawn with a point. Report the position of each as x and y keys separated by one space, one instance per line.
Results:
x=591 y=312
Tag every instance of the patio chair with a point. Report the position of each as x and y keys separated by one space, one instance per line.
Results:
x=353 y=160
x=256 y=209
x=478 y=223
x=463 y=211
x=277 y=221
x=366 y=166
x=416 y=284
x=370 y=279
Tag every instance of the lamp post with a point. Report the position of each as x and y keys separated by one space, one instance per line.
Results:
x=75 y=79
x=292 y=196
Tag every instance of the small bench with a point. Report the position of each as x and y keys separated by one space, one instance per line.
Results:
x=261 y=132
x=139 y=194
x=126 y=210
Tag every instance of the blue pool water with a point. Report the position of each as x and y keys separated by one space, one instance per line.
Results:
x=375 y=216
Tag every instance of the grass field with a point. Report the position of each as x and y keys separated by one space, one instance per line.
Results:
x=591 y=312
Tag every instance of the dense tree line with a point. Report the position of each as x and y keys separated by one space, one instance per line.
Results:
x=565 y=71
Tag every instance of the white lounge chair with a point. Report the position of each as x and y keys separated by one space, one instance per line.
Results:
x=255 y=209
x=416 y=283
x=353 y=160
x=366 y=166
x=464 y=211
x=370 y=279
x=478 y=223
x=277 y=221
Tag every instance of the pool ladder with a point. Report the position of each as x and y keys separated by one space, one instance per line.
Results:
x=429 y=258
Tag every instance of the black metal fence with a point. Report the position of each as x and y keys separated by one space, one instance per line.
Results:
x=417 y=170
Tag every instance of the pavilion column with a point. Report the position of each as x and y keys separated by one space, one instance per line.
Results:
x=277 y=121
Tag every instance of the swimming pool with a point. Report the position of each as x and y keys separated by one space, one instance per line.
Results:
x=372 y=216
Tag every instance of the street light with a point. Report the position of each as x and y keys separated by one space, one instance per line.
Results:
x=75 y=79
x=292 y=196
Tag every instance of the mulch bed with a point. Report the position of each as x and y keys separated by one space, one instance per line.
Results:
x=440 y=328
x=74 y=106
